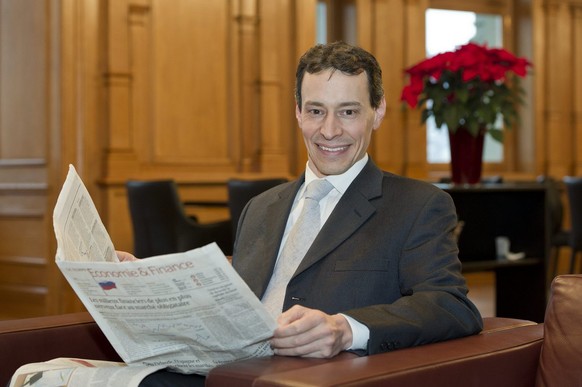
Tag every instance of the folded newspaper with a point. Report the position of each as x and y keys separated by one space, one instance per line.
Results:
x=187 y=312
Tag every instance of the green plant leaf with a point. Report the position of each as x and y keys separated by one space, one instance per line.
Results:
x=496 y=134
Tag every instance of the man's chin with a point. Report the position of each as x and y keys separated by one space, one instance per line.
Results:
x=331 y=170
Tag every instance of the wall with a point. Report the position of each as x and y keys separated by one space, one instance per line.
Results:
x=201 y=91
x=558 y=92
x=24 y=119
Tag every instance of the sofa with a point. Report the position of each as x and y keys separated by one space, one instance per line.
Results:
x=508 y=352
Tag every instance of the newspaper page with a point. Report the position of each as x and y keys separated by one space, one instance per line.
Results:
x=71 y=372
x=78 y=228
x=186 y=311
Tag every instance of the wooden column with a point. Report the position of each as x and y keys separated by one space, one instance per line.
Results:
x=277 y=63
x=576 y=85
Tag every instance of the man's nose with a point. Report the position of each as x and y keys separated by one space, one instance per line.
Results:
x=331 y=127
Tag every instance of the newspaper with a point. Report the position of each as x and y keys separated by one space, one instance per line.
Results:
x=187 y=312
x=71 y=372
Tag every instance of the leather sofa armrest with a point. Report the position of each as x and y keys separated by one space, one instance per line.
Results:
x=43 y=338
x=562 y=351
x=506 y=353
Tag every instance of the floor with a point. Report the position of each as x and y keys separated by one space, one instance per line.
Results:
x=482 y=285
x=482 y=292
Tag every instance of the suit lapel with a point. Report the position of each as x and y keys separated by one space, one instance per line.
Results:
x=353 y=210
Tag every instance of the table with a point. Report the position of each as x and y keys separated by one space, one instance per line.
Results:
x=519 y=212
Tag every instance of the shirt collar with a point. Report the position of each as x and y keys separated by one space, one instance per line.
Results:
x=339 y=182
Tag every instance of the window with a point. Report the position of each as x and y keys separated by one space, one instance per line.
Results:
x=445 y=30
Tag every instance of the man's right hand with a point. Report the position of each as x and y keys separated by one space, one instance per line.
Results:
x=309 y=332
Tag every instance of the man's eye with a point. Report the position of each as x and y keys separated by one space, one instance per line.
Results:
x=315 y=112
x=349 y=112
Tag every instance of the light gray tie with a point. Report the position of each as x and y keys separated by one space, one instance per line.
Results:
x=300 y=238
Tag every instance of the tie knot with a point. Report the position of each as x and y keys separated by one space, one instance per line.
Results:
x=317 y=189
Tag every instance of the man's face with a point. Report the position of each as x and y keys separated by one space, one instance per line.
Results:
x=337 y=120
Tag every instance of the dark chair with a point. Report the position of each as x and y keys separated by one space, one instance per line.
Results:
x=574 y=190
x=161 y=226
x=559 y=237
x=241 y=191
x=485 y=180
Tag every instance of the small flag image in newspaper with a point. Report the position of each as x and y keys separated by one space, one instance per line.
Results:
x=107 y=285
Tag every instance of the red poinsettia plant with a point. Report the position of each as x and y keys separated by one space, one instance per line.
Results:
x=468 y=88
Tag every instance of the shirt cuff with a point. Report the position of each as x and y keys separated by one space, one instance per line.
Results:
x=360 y=334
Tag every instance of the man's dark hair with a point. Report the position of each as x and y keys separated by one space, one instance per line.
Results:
x=348 y=59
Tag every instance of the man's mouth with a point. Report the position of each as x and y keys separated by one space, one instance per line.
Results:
x=333 y=149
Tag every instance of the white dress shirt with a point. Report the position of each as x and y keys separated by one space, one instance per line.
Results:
x=340 y=183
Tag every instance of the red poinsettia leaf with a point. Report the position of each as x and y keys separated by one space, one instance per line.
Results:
x=502 y=55
x=509 y=62
x=409 y=96
x=412 y=91
x=431 y=66
x=469 y=59
x=520 y=67
x=470 y=73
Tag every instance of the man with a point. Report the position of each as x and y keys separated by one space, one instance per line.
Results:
x=382 y=273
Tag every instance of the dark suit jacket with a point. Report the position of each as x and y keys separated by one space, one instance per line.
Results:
x=386 y=256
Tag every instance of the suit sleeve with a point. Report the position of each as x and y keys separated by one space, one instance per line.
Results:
x=434 y=304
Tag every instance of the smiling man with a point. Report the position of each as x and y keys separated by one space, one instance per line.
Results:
x=382 y=272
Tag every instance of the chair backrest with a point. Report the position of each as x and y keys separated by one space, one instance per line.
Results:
x=161 y=226
x=561 y=354
x=554 y=203
x=574 y=190
x=241 y=191
x=155 y=210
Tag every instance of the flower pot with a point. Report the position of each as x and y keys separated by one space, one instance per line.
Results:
x=466 y=156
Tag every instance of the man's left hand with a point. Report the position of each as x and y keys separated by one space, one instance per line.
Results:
x=311 y=333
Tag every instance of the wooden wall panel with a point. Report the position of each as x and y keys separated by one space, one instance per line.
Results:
x=24 y=121
x=76 y=132
x=189 y=81
x=386 y=19
x=23 y=85
x=524 y=139
x=557 y=85
x=577 y=86
x=187 y=99
x=169 y=88
x=558 y=106
x=23 y=266
x=22 y=301
x=277 y=59
x=414 y=160
x=201 y=91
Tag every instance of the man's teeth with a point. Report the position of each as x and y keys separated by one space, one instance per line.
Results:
x=333 y=149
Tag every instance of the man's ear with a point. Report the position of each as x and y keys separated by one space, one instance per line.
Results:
x=380 y=112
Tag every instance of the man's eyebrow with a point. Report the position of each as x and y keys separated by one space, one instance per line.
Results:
x=350 y=103
x=342 y=104
x=313 y=103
